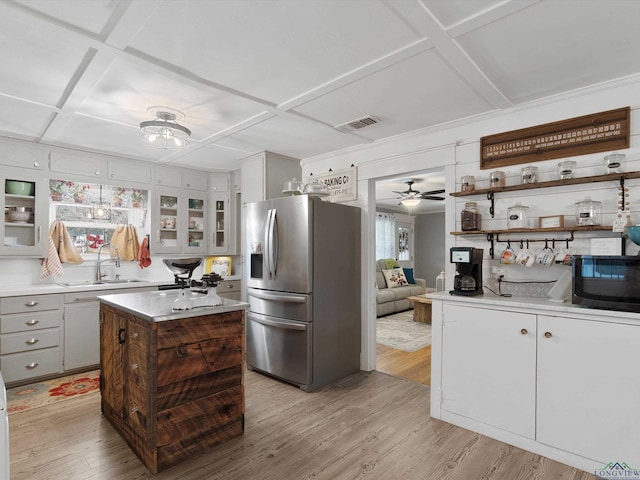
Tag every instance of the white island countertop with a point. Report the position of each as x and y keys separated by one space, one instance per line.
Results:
x=156 y=306
x=537 y=305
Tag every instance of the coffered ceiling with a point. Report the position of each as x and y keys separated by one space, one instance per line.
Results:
x=279 y=75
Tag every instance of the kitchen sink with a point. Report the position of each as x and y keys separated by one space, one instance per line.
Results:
x=101 y=282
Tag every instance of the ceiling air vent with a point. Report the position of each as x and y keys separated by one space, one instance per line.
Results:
x=358 y=124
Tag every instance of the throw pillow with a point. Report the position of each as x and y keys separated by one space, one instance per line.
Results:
x=391 y=263
x=408 y=272
x=395 y=277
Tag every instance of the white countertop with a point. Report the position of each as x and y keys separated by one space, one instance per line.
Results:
x=79 y=286
x=536 y=305
x=156 y=306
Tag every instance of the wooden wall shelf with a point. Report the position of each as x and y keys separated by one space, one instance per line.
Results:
x=618 y=177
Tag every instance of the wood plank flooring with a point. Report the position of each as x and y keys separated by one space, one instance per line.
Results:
x=367 y=426
x=414 y=366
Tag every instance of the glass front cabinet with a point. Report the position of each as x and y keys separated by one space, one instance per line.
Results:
x=180 y=222
x=220 y=222
x=24 y=230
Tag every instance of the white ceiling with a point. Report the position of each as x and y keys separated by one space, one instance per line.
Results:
x=278 y=75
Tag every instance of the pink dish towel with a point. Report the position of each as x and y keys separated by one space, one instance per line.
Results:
x=144 y=258
x=51 y=263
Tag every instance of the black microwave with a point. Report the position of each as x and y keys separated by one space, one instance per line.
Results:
x=608 y=282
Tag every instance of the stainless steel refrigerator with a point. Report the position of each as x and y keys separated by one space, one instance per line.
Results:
x=303 y=290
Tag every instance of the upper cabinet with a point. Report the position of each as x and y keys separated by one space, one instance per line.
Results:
x=168 y=177
x=24 y=157
x=220 y=182
x=85 y=165
x=220 y=223
x=180 y=222
x=24 y=198
x=138 y=172
x=195 y=181
x=264 y=174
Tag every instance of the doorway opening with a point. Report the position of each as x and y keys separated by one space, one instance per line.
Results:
x=419 y=245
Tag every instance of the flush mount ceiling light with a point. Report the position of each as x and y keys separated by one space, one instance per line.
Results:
x=101 y=210
x=165 y=131
x=410 y=202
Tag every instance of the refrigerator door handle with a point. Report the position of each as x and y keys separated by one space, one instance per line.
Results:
x=278 y=297
x=267 y=243
x=278 y=324
x=274 y=242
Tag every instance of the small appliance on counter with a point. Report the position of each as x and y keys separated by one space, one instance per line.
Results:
x=193 y=293
x=468 y=279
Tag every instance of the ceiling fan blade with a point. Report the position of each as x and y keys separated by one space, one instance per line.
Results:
x=433 y=192
x=428 y=197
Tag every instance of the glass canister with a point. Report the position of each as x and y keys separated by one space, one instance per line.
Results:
x=566 y=170
x=468 y=183
x=529 y=174
x=497 y=179
x=518 y=216
x=440 y=282
x=588 y=212
x=613 y=163
x=470 y=217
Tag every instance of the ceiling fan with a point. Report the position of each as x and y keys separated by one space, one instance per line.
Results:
x=411 y=197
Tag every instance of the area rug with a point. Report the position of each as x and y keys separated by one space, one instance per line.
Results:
x=47 y=392
x=399 y=331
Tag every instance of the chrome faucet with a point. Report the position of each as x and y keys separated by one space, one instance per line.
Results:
x=99 y=274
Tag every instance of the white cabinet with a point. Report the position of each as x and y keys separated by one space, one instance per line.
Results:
x=230 y=289
x=30 y=337
x=195 y=181
x=587 y=400
x=220 y=223
x=168 y=177
x=236 y=180
x=85 y=165
x=180 y=222
x=220 y=182
x=264 y=174
x=24 y=237
x=24 y=157
x=81 y=330
x=137 y=172
x=489 y=367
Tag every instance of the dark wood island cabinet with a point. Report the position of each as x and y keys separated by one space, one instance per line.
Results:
x=172 y=387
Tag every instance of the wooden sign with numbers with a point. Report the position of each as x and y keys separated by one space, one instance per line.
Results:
x=598 y=132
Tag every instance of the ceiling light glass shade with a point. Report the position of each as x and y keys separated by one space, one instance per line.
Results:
x=410 y=202
x=165 y=132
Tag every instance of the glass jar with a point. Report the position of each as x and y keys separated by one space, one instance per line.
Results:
x=470 y=217
x=468 y=183
x=613 y=163
x=497 y=179
x=529 y=174
x=566 y=170
x=588 y=212
x=518 y=216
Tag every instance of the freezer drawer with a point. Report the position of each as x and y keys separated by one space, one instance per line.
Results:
x=281 y=348
x=292 y=306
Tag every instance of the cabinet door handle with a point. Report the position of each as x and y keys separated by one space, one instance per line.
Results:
x=32 y=365
x=229 y=286
x=31 y=341
x=121 y=335
x=32 y=322
x=524 y=331
x=32 y=303
x=548 y=334
x=38 y=236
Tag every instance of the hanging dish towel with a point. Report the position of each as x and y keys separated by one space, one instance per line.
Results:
x=144 y=257
x=63 y=244
x=125 y=239
x=51 y=263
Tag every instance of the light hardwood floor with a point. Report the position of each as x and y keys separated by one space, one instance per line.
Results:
x=414 y=366
x=366 y=426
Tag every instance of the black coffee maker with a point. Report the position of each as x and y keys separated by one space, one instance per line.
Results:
x=468 y=280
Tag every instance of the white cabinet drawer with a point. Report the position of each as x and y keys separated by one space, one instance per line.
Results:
x=21 y=366
x=229 y=286
x=29 y=303
x=27 y=341
x=23 y=322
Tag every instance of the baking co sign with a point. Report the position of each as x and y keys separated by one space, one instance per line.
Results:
x=342 y=184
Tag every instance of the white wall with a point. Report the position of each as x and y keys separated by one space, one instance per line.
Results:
x=456 y=148
x=430 y=251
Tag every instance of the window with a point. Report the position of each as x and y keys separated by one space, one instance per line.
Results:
x=385 y=235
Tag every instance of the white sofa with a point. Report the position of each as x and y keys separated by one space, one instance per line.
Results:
x=393 y=300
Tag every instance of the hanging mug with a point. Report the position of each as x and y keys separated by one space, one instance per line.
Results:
x=545 y=257
x=526 y=257
x=508 y=256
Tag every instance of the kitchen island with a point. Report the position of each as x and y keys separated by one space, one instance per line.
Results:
x=171 y=381
x=552 y=378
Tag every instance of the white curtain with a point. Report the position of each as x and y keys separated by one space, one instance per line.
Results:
x=385 y=235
